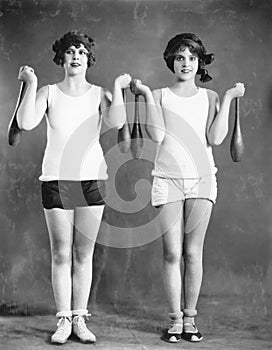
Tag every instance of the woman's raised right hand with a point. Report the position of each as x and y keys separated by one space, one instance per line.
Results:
x=27 y=75
x=123 y=80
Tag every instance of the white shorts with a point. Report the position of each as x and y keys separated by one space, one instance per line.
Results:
x=167 y=190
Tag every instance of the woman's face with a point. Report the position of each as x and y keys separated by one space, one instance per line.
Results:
x=185 y=64
x=76 y=59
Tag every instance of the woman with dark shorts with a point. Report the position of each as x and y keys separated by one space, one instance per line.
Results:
x=73 y=172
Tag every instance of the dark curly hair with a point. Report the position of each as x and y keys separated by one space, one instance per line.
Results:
x=196 y=47
x=73 y=38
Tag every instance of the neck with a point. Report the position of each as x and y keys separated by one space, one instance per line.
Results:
x=74 y=85
x=185 y=88
x=75 y=81
x=186 y=84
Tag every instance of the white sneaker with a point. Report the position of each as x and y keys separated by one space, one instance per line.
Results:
x=63 y=331
x=81 y=331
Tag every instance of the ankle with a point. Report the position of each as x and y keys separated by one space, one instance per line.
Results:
x=176 y=317
x=189 y=315
x=80 y=312
x=66 y=314
x=190 y=312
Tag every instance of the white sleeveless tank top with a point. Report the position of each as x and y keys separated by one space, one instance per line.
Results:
x=73 y=151
x=184 y=152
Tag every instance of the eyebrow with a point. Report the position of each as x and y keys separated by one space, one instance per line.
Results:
x=77 y=48
x=181 y=55
x=73 y=47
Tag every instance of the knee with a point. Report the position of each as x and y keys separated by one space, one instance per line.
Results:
x=61 y=256
x=192 y=256
x=81 y=256
x=172 y=257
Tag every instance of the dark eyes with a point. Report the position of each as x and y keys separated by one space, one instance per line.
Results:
x=81 y=52
x=181 y=58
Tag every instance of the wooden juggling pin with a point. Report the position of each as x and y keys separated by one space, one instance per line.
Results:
x=237 y=145
x=124 y=138
x=14 y=132
x=136 y=146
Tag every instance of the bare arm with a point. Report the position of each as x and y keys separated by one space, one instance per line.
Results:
x=154 y=124
x=115 y=114
x=218 y=119
x=33 y=105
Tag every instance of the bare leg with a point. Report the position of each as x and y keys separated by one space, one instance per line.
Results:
x=87 y=223
x=171 y=224
x=60 y=228
x=197 y=216
x=171 y=219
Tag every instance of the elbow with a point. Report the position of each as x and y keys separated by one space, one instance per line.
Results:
x=25 y=126
x=157 y=136
x=113 y=124
x=118 y=126
x=216 y=140
x=116 y=123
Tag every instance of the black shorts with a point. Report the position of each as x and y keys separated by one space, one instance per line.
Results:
x=71 y=194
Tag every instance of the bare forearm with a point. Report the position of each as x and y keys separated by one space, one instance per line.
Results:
x=117 y=111
x=220 y=125
x=154 y=119
x=219 y=128
x=26 y=111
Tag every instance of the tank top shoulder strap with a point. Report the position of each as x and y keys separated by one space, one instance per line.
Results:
x=163 y=94
x=204 y=92
x=163 y=91
x=210 y=96
x=96 y=91
x=51 y=92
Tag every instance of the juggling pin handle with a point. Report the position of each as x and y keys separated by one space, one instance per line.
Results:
x=237 y=145
x=124 y=133
x=14 y=132
x=136 y=147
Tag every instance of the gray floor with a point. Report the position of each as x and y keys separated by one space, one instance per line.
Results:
x=226 y=324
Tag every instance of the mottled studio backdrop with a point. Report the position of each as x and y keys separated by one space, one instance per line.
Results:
x=131 y=36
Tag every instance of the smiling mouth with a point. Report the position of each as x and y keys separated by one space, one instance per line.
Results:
x=185 y=71
x=75 y=65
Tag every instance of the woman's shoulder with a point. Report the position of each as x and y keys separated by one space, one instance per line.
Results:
x=47 y=87
x=97 y=90
x=211 y=93
x=159 y=91
x=44 y=90
x=157 y=94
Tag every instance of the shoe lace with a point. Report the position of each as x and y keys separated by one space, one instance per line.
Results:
x=63 y=323
x=175 y=327
x=80 y=321
x=190 y=326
